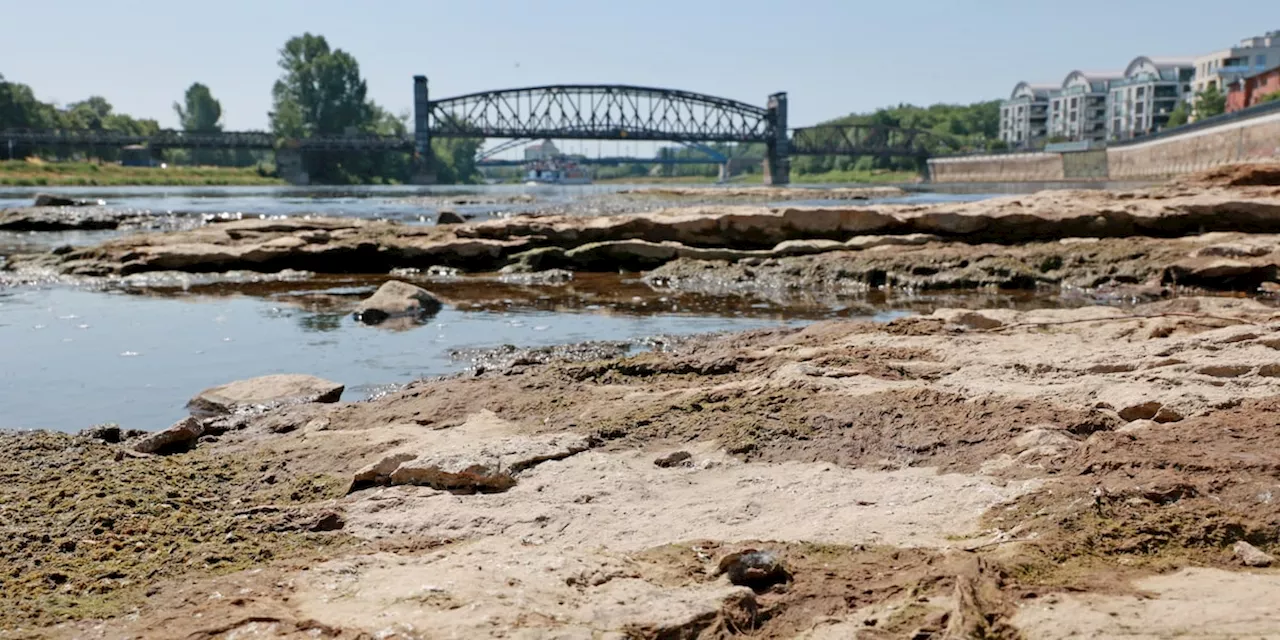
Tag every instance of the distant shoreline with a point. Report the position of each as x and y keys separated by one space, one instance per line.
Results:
x=22 y=173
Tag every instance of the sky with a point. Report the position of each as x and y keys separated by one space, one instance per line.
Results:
x=832 y=57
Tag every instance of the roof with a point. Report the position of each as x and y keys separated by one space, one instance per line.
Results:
x=1161 y=63
x=1037 y=90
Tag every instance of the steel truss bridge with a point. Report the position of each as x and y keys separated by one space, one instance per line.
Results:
x=573 y=112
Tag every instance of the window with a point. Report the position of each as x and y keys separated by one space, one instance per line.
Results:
x=1142 y=91
x=1073 y=116
x=1073 y=102
x=1261 y=60
x=1138 y=107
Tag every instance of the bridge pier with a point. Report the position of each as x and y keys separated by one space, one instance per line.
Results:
x=289 y=166
x=424 y=165
x=777 y=158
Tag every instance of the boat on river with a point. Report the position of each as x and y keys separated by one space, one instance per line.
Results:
x=556 y=171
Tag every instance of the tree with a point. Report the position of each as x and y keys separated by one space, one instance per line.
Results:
x=199 y=111
x=321 y=91
x=1179 y=115
x=1210 y=102
x=1270 y=97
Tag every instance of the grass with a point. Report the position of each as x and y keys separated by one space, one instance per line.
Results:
x=830 y=177
x=37 y=173
x=861 y=177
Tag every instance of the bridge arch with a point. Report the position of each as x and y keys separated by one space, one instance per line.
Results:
x=595 y=111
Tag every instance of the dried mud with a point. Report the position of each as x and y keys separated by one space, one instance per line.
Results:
x=956 y=475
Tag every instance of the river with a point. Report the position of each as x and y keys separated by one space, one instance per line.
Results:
x=74 y=356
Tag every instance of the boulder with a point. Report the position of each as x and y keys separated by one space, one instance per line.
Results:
x=176 y=439
x=449 y=217
x=397 y=299
x=273 y=390
x=48 y=200
x=1251 y=556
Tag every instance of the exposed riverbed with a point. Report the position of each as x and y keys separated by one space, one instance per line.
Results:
x=78 y=355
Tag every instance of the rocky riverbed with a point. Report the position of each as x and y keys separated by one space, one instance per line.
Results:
x=1000 y=473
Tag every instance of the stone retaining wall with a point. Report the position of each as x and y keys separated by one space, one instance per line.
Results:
x=1252 y=139
x=1012 y=167
x=1241 y=141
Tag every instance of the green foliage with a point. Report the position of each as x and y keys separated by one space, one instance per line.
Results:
x=953 y=127
x=1210 y=102
x=321 y=93
x=1270 y=97
x=1179 y=115
x=200 y=112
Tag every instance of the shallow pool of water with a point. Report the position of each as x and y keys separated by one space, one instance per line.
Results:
x=73 y=358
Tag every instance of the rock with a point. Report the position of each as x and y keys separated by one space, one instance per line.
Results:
x=969 y=319
x=273 y=390
x=449 y=217
x=758 y=570
x=678 y=458
x=176 y=439
x=1251 y=556
x=48 y=200
x=108 y=433
x=535 y=260
x=59 y=219
x=397 y=299
x=859 y=243
x=467 y=462
x=1233 y=250
x=805 y=247
x=621 y=254
x=1140 y=411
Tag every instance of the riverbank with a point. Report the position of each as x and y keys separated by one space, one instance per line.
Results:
x=971 y=473
x=25 y=173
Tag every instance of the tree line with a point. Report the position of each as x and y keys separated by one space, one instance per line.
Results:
x=320 y=92
x=952 y=128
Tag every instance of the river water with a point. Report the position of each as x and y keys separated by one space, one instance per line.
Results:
x=75 y=356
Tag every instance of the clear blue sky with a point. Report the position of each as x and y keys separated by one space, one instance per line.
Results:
x=833 y=57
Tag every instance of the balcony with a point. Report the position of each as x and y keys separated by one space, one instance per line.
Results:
x=1240 y=69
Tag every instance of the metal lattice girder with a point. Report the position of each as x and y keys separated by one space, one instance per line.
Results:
x=860 y=140
x=599 y=112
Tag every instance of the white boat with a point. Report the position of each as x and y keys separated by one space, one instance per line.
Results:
x=556 y=172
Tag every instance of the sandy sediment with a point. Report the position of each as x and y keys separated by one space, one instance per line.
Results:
x=1009 y=473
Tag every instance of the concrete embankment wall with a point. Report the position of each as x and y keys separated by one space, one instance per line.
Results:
x=1241 y=140
x=1009 y=167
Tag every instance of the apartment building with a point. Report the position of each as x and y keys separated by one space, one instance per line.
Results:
x=1252 y=56
x=1141 y=101
x=1250 y=91
x=1024 y=117
x=1078 y=109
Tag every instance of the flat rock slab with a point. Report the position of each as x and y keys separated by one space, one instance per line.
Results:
x=481 y=456
x=53 y=218
x=265 y=391
x=500 y=588
x=1192 y=603
x=624 y=502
